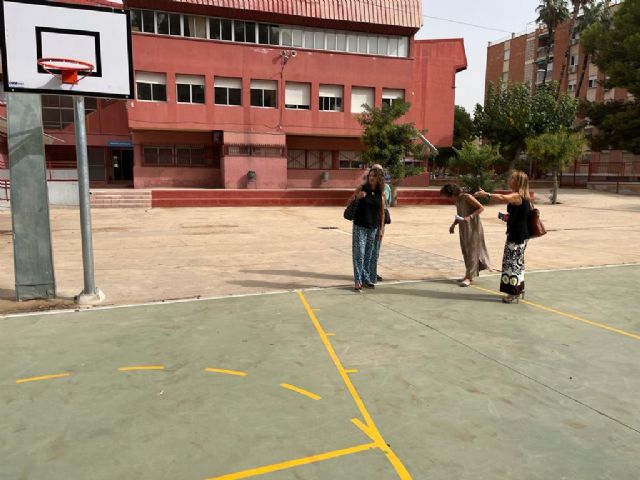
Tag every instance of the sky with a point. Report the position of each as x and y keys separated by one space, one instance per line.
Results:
x=502 y=15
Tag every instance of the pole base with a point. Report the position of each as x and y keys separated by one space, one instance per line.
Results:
x=90 y=298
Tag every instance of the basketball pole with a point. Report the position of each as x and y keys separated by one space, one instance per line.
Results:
x=91 y=294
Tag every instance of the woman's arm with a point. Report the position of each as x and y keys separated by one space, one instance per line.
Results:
x=382 y=205
x=513 y=198
x=357 y=194
x=476 y=204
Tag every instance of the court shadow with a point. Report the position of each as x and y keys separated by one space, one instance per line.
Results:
x=466 y=295
x=302 y=274
x=272 y=285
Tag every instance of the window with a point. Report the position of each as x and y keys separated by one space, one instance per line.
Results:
x=221 y=29
x=349 y=160
x=318 y=40
x=383 y=46
x=190 y=88
x=158 y=155
x=311 y=159
x=255 y=151
x=373 y=45
x=330 y=98
x=359 y=97
x=267 y=151
x=148 y=21
x=296 y=37
x=297 y=96
x=393 y=47
x=331 y=41
x=168 y=23
x=593 y=81
x=308 y=39
x=228 y=91
x=239 y=150
x=286 y=37
x=195 y=27
x=244 y=31
x=363 y=41
x=151 y=86
x=341 y=42
x=507 y=54
x=136 y=20
x=403 y=47
x=573 y=60
x=389 y=96
x=190 y=156
x=571 y=87
x=505 y=77
x=264 y=93
x=268 y=34
x=352 y=43
x=57 y=110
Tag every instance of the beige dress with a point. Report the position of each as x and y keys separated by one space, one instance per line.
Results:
x=474 y=250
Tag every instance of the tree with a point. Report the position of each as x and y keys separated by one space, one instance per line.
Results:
x=554 y=151
x=512 y=114
x=617 y=125
x=475 y=164
x=577 y=5
x=463 y=130
x=389 y=143
x=616 y=46
x=595 y=15
x=551 y=13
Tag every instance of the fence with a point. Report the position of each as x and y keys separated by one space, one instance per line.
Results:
x=5 y=189
x=579 y=174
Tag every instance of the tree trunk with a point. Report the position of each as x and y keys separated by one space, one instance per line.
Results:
x=395 y=182
x=585 y=65
x=554 y=192
x=567 y=53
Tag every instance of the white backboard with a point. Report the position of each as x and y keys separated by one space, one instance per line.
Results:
x=35 y=29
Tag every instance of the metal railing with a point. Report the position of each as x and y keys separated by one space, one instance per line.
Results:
x=5 y=189
x=580 y=173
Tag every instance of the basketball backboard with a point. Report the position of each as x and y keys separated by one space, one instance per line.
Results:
x=36 y=30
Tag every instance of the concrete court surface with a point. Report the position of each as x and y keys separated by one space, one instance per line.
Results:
x=158 y=254
x=418 y=380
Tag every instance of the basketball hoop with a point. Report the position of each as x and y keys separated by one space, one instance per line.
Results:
x=69 y=70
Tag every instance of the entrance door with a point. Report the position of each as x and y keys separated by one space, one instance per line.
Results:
x=121 y=166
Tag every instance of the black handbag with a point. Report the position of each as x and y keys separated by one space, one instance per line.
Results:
x=350 y=211
x=387 y=217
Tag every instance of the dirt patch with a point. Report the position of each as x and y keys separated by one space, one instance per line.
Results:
x=8 y=307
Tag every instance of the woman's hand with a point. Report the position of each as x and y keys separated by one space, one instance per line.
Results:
x=361 y=195
x=452 y=229
x=481 y=194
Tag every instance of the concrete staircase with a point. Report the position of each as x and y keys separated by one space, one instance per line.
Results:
x=270 y=198
x=120 y=198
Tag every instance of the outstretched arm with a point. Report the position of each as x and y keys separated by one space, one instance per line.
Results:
x=513 y=198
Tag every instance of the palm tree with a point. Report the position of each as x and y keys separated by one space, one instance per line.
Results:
x=577 y=5
x=551 y=13
x=598 y=12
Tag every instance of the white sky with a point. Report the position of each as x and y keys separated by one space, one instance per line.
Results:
x=508 y=15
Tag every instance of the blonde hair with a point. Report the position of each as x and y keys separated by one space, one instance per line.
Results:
x=521 y=181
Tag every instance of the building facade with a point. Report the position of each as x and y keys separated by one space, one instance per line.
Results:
x=522 y=59
x=227 y=87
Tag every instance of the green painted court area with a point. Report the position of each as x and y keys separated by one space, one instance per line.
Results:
x=418 y=380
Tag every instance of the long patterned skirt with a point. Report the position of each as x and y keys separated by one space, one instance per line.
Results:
x=512 y=278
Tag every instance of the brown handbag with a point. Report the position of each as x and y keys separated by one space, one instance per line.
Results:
x=536 y=227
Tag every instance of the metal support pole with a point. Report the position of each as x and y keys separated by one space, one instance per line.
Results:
x=90 y=294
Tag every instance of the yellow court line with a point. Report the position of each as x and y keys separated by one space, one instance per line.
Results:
x=372 y=430
x=301 y=391
x=226 y=372
x=295 y=463
x=141 y=367
x=569 y=315
x=331 y=334
x=353 y=370
x=43 y=377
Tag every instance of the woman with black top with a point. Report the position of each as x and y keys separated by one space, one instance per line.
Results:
x=368 y=226
x=519 y=205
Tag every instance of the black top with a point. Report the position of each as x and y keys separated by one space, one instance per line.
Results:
x=369 y=208
x=518 y=224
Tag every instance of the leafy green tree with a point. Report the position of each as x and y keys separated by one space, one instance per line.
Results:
x=463 y=130
x=555 y=150
x=475 y=166
x=551 y=13
x=616 y=46
x=617 y=125
x=389 y=143
x=512 y=114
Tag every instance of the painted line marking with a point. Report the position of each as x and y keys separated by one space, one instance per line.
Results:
x=226 y=372
x=371 y=429
x=568 y=315
x=295 y=463
x=331 y=334
x=43 y=377
x=353 y=370
x=301 y=391
x=141 y=367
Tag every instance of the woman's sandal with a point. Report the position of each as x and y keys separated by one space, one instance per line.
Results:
x=465 y=282
x=511 y=299
x=357 y=287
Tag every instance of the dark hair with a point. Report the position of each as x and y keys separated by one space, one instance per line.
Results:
x=379 y=179
x=450 y=190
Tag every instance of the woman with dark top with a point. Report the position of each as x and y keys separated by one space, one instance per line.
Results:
x=518 y=207
x=474 y=249
x=368 y=229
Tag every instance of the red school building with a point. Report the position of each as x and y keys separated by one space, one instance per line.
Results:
x=224 y=87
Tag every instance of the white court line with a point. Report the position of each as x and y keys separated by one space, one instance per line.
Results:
x=293 y=290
